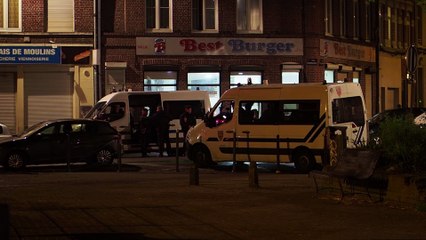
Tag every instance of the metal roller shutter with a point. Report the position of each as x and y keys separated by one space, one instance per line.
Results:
x=48 y=96
x=8 y=100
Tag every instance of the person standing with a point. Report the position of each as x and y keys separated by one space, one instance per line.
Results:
x=161 y=121
x=187 y=120
x=144 y=129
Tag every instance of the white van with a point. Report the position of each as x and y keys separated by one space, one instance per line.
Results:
x=129 y=106
x=280 y=123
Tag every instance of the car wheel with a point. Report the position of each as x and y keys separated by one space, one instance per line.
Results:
x=304 y=161
x=15 y=160
x=201 y=157
x=104 y=157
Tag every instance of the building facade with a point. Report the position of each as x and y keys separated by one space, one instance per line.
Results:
x=215 y=45
x=401 y=25
x=45 y=66
x=57 y=57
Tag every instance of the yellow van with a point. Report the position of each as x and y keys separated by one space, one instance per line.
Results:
x=285 y=123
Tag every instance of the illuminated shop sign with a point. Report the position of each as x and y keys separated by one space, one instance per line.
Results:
x=218 y=46
x=334 y=49
x=30 y=55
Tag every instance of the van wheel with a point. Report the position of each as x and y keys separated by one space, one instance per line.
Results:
x=201 y=157
x=15 y=160
x=304 y=161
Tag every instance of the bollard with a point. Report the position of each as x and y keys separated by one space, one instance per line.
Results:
x=253 y=176
x=4 y=221
x=278 y=155
x=177 y=149
x=119 y=149
x=68 y=152
x=339 y=141
x=234 y=150
x=194 y=175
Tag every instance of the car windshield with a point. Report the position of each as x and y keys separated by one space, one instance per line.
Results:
x=29 y=131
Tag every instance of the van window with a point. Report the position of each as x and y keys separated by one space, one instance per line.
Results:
x=223 y=113
x=299 y=112
x=139 y=101
x=114 y=111
x=346 y=110
x=259 y=112
x=176 y=108
x=95 y=112
x=248 y=112
x=287 y=112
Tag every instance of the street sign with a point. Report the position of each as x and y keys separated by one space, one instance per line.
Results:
x=411 y=59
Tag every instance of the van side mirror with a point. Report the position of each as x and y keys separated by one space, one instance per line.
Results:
x=209 y=121
x=206 y=116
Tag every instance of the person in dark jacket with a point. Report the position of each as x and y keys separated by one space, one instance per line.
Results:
x=187 y=120
x=145 y=130
x=161 y=121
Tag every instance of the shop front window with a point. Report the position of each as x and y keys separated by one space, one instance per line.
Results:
x=290 y=77
x=245 y=77
x=205 y=81
x=329 y=76
x=157 y=81
x=355 y=77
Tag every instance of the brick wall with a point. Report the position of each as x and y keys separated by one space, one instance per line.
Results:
x=34 y=19
x=83 y=15
x=33 y=12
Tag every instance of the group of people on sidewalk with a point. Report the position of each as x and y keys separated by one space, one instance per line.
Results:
x=160 y=123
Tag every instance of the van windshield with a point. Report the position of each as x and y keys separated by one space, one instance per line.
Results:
x=95 y=111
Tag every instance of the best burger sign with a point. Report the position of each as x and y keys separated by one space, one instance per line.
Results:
x=219 y=46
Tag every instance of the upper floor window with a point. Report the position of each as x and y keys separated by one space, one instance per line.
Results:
x=328 y=17
x=343 y=20
x=388 y=27
x=205 y=15
x=159 y=15
x=419 y=24
x=10 y=15
x=249 y=16
x=368 y=19
x=356 y=20
x=60 y=15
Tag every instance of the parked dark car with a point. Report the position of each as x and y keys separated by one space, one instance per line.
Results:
x=60 y=141
x=376 y=120
x=4 y=131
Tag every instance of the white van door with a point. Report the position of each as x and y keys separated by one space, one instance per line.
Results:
x=219 y=132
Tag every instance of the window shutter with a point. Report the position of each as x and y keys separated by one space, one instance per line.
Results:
x=60 y=15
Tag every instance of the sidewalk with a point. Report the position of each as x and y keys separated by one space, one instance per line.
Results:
x=161 y=204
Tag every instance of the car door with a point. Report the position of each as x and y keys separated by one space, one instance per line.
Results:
x=76 y=142
x=44 y=145
x=84 y=140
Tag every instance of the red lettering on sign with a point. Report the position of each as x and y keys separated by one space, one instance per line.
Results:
x=190 y=45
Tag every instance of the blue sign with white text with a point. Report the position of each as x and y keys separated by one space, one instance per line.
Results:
x=30 y=55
